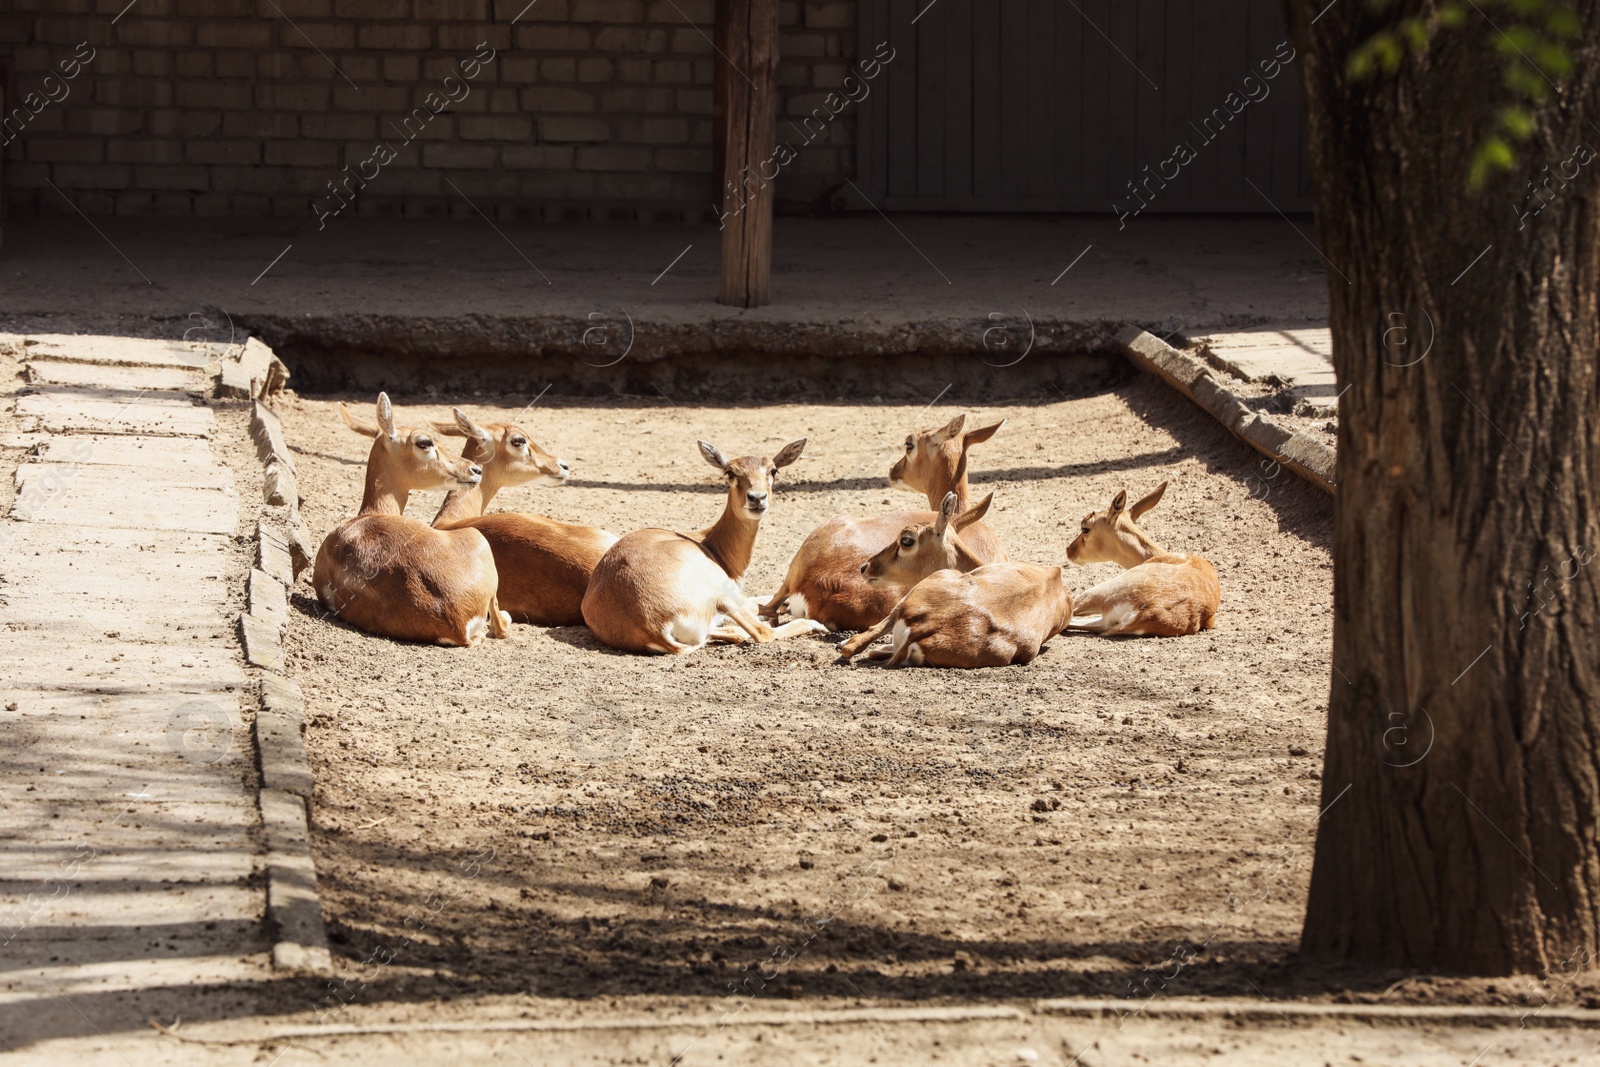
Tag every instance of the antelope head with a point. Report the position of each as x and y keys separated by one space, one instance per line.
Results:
x=508 y=455
x=925 y=547
x=1110 y=536
x=404 y=461
x=936 y=460
x=750 y=478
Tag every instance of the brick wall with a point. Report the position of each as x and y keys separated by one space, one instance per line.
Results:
x=589 y=109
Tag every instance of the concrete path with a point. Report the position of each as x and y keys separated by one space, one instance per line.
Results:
x=987 y=276
x=128 y=820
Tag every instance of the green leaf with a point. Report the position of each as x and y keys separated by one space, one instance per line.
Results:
x=1451 y=15
x=1521 y=38
x=1359 y=65
x=1416 y=33
x=1562 y=22
x=1525 y=80
x=1390 y=52
x=1552 y=59
x=1494 y=154
x=1517 y=121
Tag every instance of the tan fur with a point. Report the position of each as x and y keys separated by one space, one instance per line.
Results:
x=544 y=565
x=659 y=591
x=393 y=576
x=998 y=614
x=826 y=570
x=1159 y=593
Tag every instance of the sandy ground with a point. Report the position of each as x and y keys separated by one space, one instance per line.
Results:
x=539 y=831
x=567 y=820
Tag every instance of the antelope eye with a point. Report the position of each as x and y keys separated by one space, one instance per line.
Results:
x=910 y=444
x=519 y=442
x=424 y=443
x=730 y=475
x=1086 y=529
x=908 y=542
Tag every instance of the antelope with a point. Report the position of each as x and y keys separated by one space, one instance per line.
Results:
x=1158 y=594
x=825 y=581
x=997 y=614
x=660 y=591
x=393 y=576
x=544 y=565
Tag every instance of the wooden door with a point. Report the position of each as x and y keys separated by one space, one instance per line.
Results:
x=1077 y=105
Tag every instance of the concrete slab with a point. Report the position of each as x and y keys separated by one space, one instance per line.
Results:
x=109 y=560
x=42 y=475
x=1299 y=358
x=129 y=379
x=232 y=861
x=87 y=496
x=127 y=784
x=72 y=820
x=55 y=981
x=187 y=620
x=141 y=738
x=109 y=351
x=114 y=910
x=36 y=660
x=1290 y=353
x=58 y=409
x=155 y=454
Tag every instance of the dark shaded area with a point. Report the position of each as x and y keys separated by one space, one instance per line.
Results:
x=848 y=368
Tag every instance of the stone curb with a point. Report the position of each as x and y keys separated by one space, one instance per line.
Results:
x=1263 y=1012
x=1306 y=456
x=1286 y=1012
x=256 y=372
x=300 y=939
x=294 y=912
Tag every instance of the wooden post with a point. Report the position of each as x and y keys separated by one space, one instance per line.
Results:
x=745 y=113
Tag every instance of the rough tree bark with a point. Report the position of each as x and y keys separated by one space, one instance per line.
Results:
x=1467 y=621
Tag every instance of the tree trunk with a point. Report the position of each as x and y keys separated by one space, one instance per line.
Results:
x=1462 y=780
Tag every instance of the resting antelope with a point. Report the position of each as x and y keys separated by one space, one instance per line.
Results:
x=824 y=581
x=659 y=591
x=392 y=576
x=544 y=565
x=1158 y=594
x=998 y=614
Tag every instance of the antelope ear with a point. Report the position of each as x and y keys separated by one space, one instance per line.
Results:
x=974 y=513
x=365 y=429
x=386 y=415
x=446 y=429
x=1149 y=501
x=1117 y=504
x=947 y=511
x=713 y=455
x=951 y=429
x=790 y=453
x=465 y=427
x=978 y=437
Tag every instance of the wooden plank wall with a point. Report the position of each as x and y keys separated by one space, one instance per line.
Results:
x=1056 y=105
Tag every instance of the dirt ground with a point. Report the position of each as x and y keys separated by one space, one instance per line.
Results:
x=572 y=821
